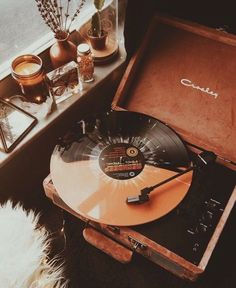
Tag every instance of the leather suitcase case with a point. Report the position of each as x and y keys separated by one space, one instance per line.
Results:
x=183 y=74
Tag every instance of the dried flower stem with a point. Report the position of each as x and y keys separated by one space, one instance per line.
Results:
x=56 y=16
x=66 y=14
x=60 y=7
x=76 y=13
x=54 y=12
x=57 y=12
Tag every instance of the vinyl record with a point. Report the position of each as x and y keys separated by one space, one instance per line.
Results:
x=110 y=156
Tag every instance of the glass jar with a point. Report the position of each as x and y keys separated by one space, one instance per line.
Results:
x=85 y=63
x=101 y=28
x=28 y=72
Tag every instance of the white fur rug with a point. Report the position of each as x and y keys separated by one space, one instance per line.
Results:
x=23 y=251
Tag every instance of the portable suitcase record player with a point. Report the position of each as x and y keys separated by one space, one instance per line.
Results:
x=156 y=175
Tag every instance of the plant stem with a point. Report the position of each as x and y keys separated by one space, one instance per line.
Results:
x=66 y=14
x=61 y=16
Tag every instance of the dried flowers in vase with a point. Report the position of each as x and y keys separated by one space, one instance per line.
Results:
x=58 y=16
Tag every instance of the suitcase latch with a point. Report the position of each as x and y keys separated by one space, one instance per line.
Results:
x=137 y=244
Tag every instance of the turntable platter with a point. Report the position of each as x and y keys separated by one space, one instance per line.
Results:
x=107 y=160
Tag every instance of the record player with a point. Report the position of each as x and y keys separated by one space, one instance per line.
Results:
x=156 y=174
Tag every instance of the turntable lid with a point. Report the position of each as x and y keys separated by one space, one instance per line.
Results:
x=186 y=78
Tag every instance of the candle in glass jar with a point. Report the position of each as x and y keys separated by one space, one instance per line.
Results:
x=27 y=71
x=27 y=68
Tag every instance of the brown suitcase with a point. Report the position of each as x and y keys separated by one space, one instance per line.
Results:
x=183 y=74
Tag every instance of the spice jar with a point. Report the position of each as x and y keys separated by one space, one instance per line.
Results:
x=28 y=72
x=85 y=63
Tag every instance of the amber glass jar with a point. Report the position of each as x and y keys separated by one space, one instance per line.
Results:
x=28 y=72
x=85 y=63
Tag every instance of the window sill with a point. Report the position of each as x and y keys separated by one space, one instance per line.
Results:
x=41 y=45
x=106 y=75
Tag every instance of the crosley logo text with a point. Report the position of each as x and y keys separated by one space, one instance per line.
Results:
x=188 y=83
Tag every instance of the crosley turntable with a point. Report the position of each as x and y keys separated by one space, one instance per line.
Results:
x=158 y=180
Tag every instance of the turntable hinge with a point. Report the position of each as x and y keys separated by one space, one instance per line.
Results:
x=137 y=244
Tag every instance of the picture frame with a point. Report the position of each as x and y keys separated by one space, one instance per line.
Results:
x=15 y=124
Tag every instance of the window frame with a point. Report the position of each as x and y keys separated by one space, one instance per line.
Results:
x=43 y=43
x=35 y=48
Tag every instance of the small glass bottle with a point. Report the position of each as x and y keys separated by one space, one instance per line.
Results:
x=28 y=72
x=85 y=63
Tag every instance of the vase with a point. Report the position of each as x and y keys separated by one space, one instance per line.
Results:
x=62 y=51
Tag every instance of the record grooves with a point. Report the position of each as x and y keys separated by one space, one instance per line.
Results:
x=109 y=157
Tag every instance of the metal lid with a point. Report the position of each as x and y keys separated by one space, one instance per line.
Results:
x=83 y=49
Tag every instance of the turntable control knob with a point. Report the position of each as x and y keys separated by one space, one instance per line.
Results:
x=207 y=218
x=203 y=228
x=191 y=231
x=213 y=204
x=195 y=247
x=198 y=229
x=209 y=215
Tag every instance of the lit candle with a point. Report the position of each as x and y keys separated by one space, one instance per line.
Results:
x=27 y=68
x=27 y=71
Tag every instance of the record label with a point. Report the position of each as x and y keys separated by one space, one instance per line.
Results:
x=121 y=161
